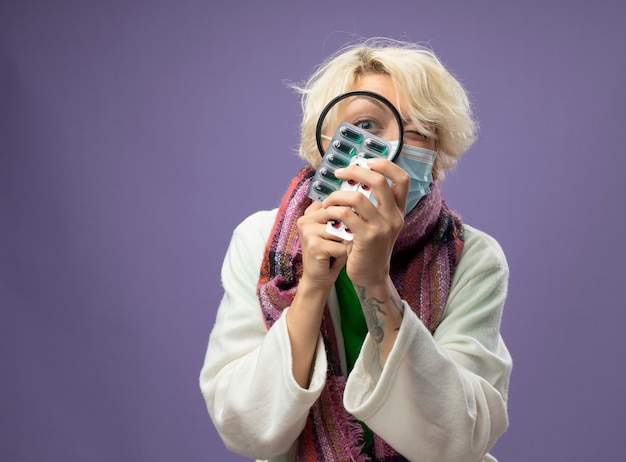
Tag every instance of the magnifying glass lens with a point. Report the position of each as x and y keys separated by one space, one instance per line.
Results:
x=365 y=112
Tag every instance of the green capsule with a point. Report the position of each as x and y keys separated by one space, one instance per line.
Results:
x=351 y=134
x=376 y=146
x=336 y=160
x=327 y=173
x=321 y=188
x=343 y=147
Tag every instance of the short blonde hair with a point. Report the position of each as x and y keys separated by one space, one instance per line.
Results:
x=436 y=102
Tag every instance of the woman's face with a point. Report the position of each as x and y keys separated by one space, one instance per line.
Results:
x=381 y=84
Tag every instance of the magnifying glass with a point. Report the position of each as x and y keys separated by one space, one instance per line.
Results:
x=353 y=127
x=366 y=110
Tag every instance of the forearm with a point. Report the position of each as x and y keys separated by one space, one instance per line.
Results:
x=383 y=310
x=304 y=319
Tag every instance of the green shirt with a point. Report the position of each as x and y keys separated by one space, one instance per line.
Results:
x=354 y=330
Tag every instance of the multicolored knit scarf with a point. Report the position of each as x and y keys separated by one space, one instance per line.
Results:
x=422 y=266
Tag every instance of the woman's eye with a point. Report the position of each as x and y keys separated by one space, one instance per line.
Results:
x=417 y=135
x=366 y=125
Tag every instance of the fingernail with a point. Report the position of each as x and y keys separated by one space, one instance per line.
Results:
x=340 y=170
x=371 y=161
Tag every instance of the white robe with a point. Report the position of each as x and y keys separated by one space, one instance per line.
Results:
x=439 y=398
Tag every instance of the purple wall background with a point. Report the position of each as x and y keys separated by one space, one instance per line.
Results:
x=123 y=126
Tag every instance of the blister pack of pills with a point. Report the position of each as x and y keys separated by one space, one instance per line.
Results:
x=350 y=145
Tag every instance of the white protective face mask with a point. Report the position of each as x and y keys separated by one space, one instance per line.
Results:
x=418 y=163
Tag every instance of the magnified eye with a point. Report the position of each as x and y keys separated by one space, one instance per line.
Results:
x=368 y=125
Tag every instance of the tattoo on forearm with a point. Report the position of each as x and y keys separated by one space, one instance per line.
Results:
x=371 y=306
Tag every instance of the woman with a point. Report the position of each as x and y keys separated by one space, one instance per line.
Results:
x=386 y=347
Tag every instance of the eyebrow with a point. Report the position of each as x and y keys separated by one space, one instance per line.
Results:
x=378 y=103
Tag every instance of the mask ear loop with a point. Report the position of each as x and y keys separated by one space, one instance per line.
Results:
x=382 y=99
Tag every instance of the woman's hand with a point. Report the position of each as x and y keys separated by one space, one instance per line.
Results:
x=375 y=227
x=323 y=255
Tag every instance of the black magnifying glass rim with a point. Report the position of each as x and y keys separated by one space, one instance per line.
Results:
x=382 y=99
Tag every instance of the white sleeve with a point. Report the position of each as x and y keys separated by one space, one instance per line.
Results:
x=443 y=397
x=255 y=403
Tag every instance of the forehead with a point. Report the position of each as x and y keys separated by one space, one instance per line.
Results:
x=378 y=83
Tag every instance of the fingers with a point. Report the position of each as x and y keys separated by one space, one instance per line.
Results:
x=398 y=176
x=313 y=223
x=323 y=254
x=388 y=183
